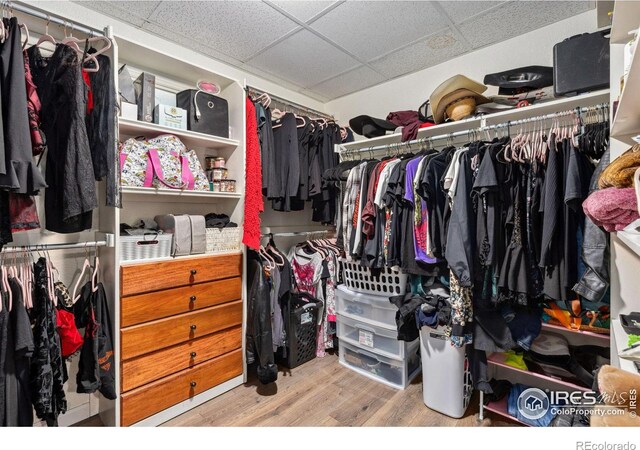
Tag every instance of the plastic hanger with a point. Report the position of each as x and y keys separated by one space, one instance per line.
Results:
x=96 y=271
x=46 y=37
x=86 y=265
x=26 y=31
x=72 y=42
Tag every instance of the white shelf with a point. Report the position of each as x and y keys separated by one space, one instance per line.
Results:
x=176 y=195
x=134 y=128
x=631 y=240
x=176 y=258
x=626 y=17
x=626 y=122
x=537 y=109
x=621 y=339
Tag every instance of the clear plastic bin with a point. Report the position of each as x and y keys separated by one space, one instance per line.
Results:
x=380 y=340
x=392 y=372
x=367 y=307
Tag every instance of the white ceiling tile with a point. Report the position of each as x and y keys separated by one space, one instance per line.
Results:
x=460 y=11
x=237 y=28
x=369 y=29
x=141 y=8
x=355 y=80
x=188 y=42
x=499 y=24
x=428 y=52
x=303 y=10
x=304 y=58
x=110 y=10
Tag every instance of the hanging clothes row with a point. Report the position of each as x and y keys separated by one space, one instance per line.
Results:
x=295 y=153
x=311 y=268
x=499 y=222
x=39 y=323
x=62 y=106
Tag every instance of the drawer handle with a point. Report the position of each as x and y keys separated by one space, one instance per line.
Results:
x=193 y=354
x=193 y=384
x=193 y=327
x=192 y=298
x=194 y=271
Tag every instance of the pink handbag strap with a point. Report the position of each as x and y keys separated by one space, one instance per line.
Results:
x=157 y=167
x=187 y=176
x=148 y=175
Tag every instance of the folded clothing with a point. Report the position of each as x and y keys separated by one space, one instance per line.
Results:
x=612 y=208
x=214 y=220
x=620 y=172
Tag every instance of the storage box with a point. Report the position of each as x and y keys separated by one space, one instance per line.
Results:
x=206 y=113
x=223 y=240
x=581 y=63
x=392 y=372
x=383 y=341
x=170 y=116
x=369 y=308
x=136 y=248
x=129 y=110
x=145 y=86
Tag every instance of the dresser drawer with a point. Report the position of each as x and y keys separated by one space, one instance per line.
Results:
x=149 y=277
x=140 y=339
x=157 y=305
x=147 y=368
x=166 y=392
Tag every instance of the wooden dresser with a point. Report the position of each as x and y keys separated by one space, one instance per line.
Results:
x=181 y=331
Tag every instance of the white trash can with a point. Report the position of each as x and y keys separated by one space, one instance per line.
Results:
x=446 y=378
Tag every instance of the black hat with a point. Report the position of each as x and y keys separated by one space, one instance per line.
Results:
x=523 y=79
x=369 y=127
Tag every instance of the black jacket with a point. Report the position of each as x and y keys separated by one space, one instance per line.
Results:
x=258 y=333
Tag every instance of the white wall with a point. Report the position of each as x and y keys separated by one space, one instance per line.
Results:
x=83 y=15
x=410 y=91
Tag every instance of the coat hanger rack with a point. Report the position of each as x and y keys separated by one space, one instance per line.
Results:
x=399 y=148
x=295 y=233
x=108 y=241
x=35 y=12
x=289 y=106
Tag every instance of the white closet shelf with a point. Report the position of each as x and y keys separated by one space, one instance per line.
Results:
x=537 y=109
x=501 y=407
x=627 y=119
x=175 y=195
x=130 y=127
x=621 y=338
x=559 y=328
x=631 y=240
x=176 y=258
x=626 y=17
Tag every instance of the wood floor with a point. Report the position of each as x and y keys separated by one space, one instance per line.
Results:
x=322 y=393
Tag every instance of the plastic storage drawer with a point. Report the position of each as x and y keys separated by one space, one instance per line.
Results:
x=367 y=307
x=392 y=372
x=380 y=340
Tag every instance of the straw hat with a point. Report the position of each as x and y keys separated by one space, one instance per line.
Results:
x=450 y=92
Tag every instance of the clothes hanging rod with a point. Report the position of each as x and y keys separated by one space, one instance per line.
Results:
x=468 y=132
x=294 y=233
x=52 y=18
x=46 y=247
x=288 y=103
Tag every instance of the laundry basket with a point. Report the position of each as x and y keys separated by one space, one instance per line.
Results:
x=360 y=279
x=446 y=379
x=301 y=328
x=149 y=246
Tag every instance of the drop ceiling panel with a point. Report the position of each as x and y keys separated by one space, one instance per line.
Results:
x=238 y=28
x=498 y=24
x=369 y=29
x=463 y=10
x=428 y=52
x=125 y=13
x=304 y=59
x=140 y=8
x=359 y=78
x=303 y=10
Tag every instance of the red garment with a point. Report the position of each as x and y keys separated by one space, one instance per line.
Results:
x=409 y=122
x=87 y=81
x=33 y=109
x=427 y=124
x=369 y=210
x=23 y=212
x=70 y=339
x=253 y=202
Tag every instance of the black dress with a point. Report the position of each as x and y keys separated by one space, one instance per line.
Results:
x=71 y=195
x=18 y=172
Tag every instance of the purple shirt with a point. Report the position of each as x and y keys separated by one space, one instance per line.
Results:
x=409 y=194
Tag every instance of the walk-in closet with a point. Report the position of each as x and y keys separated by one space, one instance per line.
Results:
x=321 y=214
